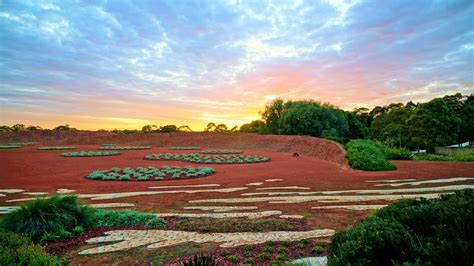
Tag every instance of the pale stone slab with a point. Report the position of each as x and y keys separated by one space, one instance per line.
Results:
x=433 y=181
x=35 y=193
x=221 y=208
x=274 y=180
x=128 y=239
x=7 y=209
x=292 y=216
x=65 y=191
x=255 y=184
x=366 y=191
x=187 y=186
x=390 y=180
x=11 y=190
x=107 y=196
x=353 y=207
x=276 y=188
x=250 y=215
x=324 y=198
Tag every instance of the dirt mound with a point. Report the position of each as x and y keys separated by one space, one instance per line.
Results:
x=303 y=145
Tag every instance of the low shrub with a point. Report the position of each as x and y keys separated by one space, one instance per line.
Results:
x=184 y=148
x=4 y=147
x=318 y=248
x=17 y=249
x=460 y=157
x=127 y=218
x=221 y=152
x=435 y=232
x=226 y=225
x=56 y=148
x=110 y=147
x=398 y=154
x=367 y=155
x=90 y=153
x=264 y=256
x=233 y=258
x=48 y=215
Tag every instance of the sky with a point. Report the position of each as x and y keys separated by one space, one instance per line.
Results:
x=124 y=64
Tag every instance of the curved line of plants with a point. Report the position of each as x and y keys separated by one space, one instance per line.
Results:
x=208 y=159
x=184 y=148
x=150 y=173
x=221 y=152
x=56 y=148
x=90 y=153
x=109 y=147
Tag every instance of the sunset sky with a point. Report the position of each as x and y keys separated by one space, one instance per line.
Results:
x=123 y=64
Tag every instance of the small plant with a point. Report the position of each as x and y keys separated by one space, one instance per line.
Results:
x=233 y=258
x=248 y=248
x=280 y=257
x=319 y=248
x=282 y=250
x=4 y=147
x=269 y=243
x=264 y=256
x=267 y=249
x=250 y=261
x=225 y=253
x=17 y=249
x=196 y=245
x=78 y=230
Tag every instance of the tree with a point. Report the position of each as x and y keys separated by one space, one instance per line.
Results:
x=18 y=127
x=5 y=128
x=434 y=123
x=210 y=127
x=149 y=128
x=256 y=126
x=390 y=126
x=221 y=128
x=168 y=128
x=357 y=130
x=467 y=117
x=184 y=128
x=33 y=128
x=234 y=129
x=64 y=127
x=272 y=115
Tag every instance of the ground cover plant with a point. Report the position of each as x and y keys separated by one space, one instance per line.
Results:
x=17 y=249
x=90 y=153
x=467 y=156
x=150 y=173
x=199 y=158
x=56 y=148
x=110 y=147
x=435 y=232
x=127 y=218
x=4 y=147
x=221 y=152
x=184 y=148
x=21 y=143
x=398 y=154
x=367 y=155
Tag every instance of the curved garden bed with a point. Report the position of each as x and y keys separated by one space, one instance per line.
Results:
x=221 y=152
x=150 y=173
x=56 y=148
x=110 y=147
x=90 y=153
x=199 y=158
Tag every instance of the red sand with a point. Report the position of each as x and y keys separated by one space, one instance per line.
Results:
x=34 y=170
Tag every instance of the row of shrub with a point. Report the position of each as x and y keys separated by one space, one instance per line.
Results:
x=56 y=148
x=150 y=173
x=411 y=232
x=90 y=153
x=52 y=219
x=8 y=146
x=111 y=147
x=221 y=152
x=199 y=158
x=184 y=148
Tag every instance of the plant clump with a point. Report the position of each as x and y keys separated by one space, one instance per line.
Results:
x=221 y=152
x=110 y=147
x=367 y=155
x=208 y=159
x=150 y=173
x=56 y=148
x=90 y=153
x=4 y=147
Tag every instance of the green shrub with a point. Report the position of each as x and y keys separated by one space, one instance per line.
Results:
x=460 y=157
x=48 y=215
x=280 y=257
x=233 y=258
x=398 y=154
x=127 y=218
x=435 y=232
x=4 y=147
x=250 y=261
x=264 y=256
x=17 y=249
x=78 y=230
x=318 y=248
x=225 y=252
x=367 y=155
x=89 y=153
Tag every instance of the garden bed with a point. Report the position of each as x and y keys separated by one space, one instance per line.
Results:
x=150 y=173
x=208 y=159
x=221 y=152
x=110 y=147
x=90 y=153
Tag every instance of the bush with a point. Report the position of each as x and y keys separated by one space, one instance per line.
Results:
x=127 y=218
x=367 y=155
x=398 y=154
x=48 y=216
x=435 y=232
x=17 y=249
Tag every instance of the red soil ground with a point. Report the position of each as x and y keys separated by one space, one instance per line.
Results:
x=34 y=170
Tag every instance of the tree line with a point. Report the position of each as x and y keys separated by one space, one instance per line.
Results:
x=438 y=122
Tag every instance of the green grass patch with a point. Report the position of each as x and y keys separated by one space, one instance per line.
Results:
x=90 y=153
x=127 y=218
x=227 y=225
x=408 y=232
x=208 y=159
x=367 y=155
x=398 y=154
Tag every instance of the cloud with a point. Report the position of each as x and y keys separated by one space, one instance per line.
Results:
x=185 y=62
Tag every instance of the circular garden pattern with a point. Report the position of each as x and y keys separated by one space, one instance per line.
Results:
x=109 y=147
x=151 y=173
x=89 y=153
x=221 y=152
x=56 y=148
x=199 y=158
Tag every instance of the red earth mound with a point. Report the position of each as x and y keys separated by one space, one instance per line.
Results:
x=303 y=145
